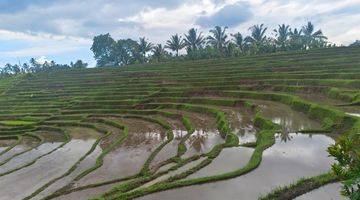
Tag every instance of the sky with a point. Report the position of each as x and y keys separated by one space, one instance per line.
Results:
x=62 y=30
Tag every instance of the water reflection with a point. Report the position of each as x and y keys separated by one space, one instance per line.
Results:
x=202 y=141
x=45 y=169
x=128 y=158
x=329 y=191
x=241 y=124
x=175 y=172
x=28 y=157
x=230 y=159
x=289 y=119
x=282 y=164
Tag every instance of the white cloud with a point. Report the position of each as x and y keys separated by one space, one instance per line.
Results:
x=61 y=27
x=42 y=59
x=41 y=44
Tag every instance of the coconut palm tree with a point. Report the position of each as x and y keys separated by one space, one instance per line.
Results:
x=296 y=39
x=175 y=44
x=218 y=38
x=282 y=34
x=158 y=52
x=258 y=36
x=239 y=41
x=143 y=47
x=310 y=36
x=193 y=40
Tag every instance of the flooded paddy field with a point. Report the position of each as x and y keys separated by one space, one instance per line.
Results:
x=293 y=156
x=282 y=164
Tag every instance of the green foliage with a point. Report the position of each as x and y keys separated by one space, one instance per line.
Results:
x=346 y=151
x=355 y=44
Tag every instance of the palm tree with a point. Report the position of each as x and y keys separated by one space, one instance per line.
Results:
x=296 y=39
x=193 y=40
x=158 y=52
x=143 y=47
x=282 y=34
x=218 y=38
x=258 y=36
x=175 y=44
x=310 y=35
x=239 y=41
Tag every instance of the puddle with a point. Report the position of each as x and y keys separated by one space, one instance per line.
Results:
x=241 y=124
x=175 y=172
x=282 y=114
x=230 y=159
x=28 y=157
x=26 y=143
x=328 y=192
x=45 y=169
x=130 y=156
x=170 y=149
x=166 y=167
x=282 y=164
x=86 y=194
x=166 y=152
x=82 y=166
x=202 y=141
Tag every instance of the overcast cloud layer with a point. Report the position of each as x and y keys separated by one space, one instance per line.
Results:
x=62 y=29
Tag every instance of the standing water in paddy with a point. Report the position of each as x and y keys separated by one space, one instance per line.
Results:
x=293 y=156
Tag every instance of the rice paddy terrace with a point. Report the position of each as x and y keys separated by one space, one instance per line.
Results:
x=212 y=129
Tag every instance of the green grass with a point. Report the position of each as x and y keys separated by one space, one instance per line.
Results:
x=16 y=123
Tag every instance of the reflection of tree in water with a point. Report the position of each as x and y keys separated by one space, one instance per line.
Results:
x=136 y=139
x=285 y=136
x=198 y=140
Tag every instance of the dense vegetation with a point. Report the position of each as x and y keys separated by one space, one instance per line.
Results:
x=36 y=66
x=110 y=52
x=168 y=95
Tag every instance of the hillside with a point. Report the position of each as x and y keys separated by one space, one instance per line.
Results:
x=123 y=133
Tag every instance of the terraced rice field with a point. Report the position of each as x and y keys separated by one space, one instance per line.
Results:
x=211 y=129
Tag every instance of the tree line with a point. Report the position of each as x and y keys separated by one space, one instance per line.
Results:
x=34 y=66
x=110 y=52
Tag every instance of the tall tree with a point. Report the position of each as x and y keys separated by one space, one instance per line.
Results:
x=282 y=35
x=143 y=47
x=296 y=39
x=239 y=41
x=102 y=48
x=258 y=36
x=79 y=64
x=36 y=67
x=193 y=40
x=218 y=39
x=123 y=52
x=25 y=68
x=158 y=52
x=310 y=35
x=355 y=44
x=175 y=44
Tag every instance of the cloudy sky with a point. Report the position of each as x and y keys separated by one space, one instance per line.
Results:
x=62 y=30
